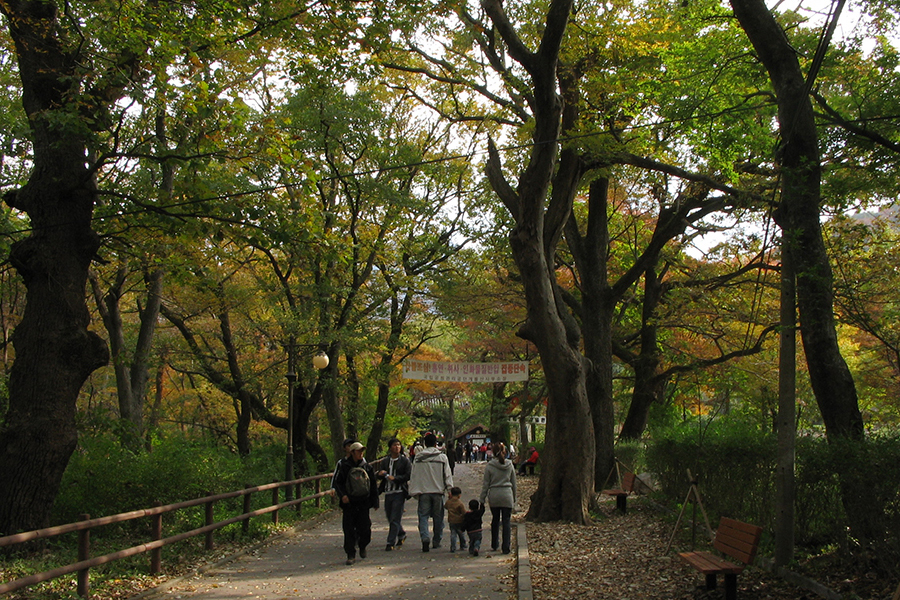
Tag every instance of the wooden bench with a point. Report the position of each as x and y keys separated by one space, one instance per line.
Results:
x=621 y=494
x=734 y=539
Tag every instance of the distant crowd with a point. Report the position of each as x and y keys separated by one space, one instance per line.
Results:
x=427 y=475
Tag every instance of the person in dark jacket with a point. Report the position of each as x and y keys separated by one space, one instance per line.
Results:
x=472 y=525
x=355 y=505
x=394 y=471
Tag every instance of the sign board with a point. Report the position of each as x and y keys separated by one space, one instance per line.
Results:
x=429 y=370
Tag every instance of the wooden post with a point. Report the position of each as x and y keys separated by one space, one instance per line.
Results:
x=156 y=553
x=245 y=524
x=318 y=490
x=84 y=552
x=274 y=502
x=209 y=521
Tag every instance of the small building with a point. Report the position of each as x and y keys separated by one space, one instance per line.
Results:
x=477 y=435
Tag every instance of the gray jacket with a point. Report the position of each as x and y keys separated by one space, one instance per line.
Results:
x=499 y=484
x=430 y=473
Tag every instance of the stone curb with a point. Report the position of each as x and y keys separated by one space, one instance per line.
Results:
x=523 y=564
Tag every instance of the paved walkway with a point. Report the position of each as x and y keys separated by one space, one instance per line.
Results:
x=310 y=564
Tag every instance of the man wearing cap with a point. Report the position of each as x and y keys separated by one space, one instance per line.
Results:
x=355 y=485
x=431 y=480
x=346 y=446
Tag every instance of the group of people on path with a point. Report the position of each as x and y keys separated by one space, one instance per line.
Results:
x=428 y=478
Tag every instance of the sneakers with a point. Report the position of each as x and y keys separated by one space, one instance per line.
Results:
x=400 y=539
x=388 y=548
x=362 y=553
x=426 y=546
x=435 y=544
x=474 y=552
x=350 y=560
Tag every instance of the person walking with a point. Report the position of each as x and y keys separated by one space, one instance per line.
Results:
x=456 y=511
x=355 y=485
x=394 y=476
x=499 y=489
x=431 y=479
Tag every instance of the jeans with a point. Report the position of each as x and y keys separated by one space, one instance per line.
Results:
x=457 y=532
x=393 y=510
x=504 y=514
x=474 y=541
x=431 y=505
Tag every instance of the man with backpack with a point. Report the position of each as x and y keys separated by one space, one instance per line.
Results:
x=355 y=485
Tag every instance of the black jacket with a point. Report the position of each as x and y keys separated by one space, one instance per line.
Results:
x=340 y=484
x=472 y=519
x=402 y=471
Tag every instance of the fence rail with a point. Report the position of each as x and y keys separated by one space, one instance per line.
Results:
x=84 y=527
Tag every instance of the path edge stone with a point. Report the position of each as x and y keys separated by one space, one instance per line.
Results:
x=523 y=568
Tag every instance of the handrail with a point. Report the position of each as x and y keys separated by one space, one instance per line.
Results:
x=84 y=526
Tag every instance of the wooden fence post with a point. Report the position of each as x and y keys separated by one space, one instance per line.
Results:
x=318 y=490
x=156 y=533
x=245 y=524
x=274 y=502
x=84 y=552
x=209 y=521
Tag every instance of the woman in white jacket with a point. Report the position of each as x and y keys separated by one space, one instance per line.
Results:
x=499 y=488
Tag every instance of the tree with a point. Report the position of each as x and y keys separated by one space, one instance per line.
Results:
x=73 y=73
x=798 y=215
x=55 y=350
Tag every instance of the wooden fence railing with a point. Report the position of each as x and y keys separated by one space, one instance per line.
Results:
x=84 y=527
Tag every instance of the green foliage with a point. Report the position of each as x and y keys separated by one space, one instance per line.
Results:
x=733 y=463
x=735 y=466
x=103 y=479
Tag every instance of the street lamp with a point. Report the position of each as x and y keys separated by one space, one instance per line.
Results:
x=320 y=361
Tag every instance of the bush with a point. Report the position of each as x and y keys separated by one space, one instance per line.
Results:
x=104 y=479
x=735 y=466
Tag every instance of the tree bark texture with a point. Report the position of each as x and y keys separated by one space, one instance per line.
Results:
x=55 y=351
x=567 y=475
x=648 y=384
x=798 y=216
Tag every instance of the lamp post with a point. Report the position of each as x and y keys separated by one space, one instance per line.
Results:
x=320 y=361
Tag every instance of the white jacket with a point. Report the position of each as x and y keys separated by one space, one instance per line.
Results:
x=430 y=473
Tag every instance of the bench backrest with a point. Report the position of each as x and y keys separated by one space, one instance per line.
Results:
x=738 y=540
x=628 y=482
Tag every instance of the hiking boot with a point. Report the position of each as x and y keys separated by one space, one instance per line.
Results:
x=426 y=546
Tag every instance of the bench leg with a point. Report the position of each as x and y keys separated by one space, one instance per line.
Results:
x=711 y=581
x=620 y=503
x=730 y=586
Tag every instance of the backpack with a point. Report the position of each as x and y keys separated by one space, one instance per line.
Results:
x=358 y=485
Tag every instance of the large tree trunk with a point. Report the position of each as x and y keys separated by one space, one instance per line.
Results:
x=55 y=352
x=647 y=384
x=798 y=216
x=598 y=305
x=567 y=476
